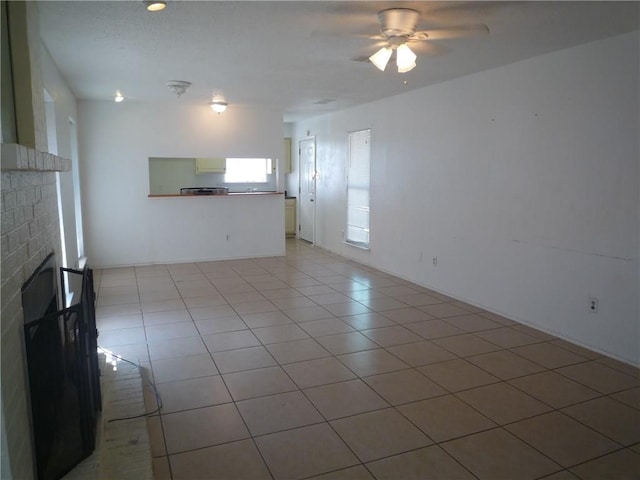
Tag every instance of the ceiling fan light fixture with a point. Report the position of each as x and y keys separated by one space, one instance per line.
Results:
x=381 y=58
x=405 y=58
x=407 y=68
x=155 y=6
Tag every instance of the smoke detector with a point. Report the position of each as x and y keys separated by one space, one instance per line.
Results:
x=178 y=86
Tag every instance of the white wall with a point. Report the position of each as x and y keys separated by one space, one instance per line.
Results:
x=65 y=109
x=125 y=227
x=522 y=180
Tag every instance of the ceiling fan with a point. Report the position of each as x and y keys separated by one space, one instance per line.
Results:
x=398 y=30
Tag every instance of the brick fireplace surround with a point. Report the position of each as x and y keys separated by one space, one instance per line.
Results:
x=30 y=230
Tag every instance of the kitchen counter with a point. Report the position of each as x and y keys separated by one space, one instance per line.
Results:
x=231 y=194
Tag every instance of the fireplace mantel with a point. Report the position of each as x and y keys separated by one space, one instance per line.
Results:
x=15 y=157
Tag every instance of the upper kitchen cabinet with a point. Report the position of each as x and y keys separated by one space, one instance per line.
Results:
x=211 y=165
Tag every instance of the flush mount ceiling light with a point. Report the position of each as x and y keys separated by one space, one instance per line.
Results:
x=119 y=97
x=218 y=102
x=178 y=86
x=155 y=6
x=218 y=106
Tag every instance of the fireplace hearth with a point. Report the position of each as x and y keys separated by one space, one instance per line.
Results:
x=62 y=363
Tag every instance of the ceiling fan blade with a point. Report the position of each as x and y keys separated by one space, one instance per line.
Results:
x=339 y=19
x=379 y=44
x=360 y=58
x=427 y=48
x=447 y=12
x=459 y=31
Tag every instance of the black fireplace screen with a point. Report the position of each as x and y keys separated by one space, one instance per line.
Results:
x=61 y=347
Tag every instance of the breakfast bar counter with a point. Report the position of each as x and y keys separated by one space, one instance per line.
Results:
x=230 y=194
x=233 y=225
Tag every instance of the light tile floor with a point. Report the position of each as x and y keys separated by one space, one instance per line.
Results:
x=314 y=366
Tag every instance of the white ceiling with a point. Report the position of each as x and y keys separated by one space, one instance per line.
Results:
x=294 y=54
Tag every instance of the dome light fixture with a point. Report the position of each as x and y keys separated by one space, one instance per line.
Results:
x=218 y=101
x=155 y=6
x=119 y=97
x=218 y=106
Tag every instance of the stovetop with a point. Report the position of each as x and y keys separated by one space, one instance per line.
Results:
x=204 y=191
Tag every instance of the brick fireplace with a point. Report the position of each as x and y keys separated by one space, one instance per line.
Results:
x=30 y=231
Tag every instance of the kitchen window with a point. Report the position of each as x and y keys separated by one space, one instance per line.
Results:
x=248 y=170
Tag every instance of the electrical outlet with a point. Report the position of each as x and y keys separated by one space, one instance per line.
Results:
x=593 y=305
x=434 y=260
x=228 y=237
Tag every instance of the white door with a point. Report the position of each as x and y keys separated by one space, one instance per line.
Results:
x=307 y=189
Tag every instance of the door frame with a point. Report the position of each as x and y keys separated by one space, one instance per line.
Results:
x=315 y=189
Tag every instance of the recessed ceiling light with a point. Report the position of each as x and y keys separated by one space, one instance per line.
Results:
x=119 y=97
x=155 y=6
